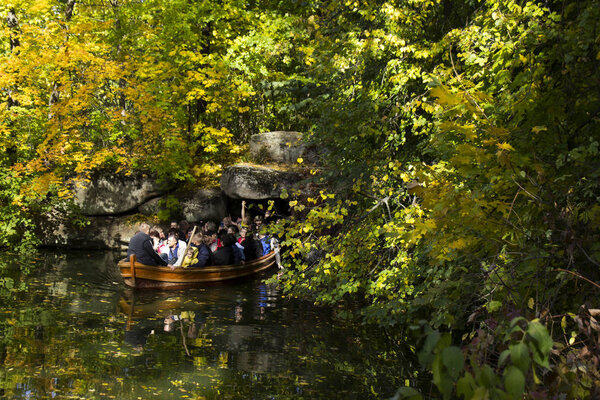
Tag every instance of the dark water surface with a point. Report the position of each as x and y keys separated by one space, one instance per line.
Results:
x=69 y=329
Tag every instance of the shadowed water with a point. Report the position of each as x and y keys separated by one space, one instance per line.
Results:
x=70 y=329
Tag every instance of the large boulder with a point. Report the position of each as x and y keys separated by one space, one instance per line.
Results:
x=203 y=205
x=101 y=232
x=250 y=182
x=151 y=207
x=115 y=194
x=279 y=146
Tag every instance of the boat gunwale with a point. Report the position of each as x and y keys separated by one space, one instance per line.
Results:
x=198 y=274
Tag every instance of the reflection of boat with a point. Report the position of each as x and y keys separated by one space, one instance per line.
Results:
x=142 y=276
x=161 y=307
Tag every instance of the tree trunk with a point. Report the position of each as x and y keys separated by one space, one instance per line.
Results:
x=55 y=95
x=13 y=25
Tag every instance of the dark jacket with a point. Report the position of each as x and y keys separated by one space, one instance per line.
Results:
x=204 y=256
x=252 y=249
x=223 y=256
x=238 y=253
x=141 y=245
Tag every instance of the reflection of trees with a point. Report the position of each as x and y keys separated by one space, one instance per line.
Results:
x=62 y=335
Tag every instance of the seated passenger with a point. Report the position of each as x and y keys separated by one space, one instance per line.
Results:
x=184 y=229
x=242 y=236
x=176 y=251
x=238 y=250
x=265 y=241
x=226 y=223
x=191 y=257
x=210 y=226
x=258 y=223
x=204 y=257
x=252 y=248
x=211 y=240
x=224 y=255
x=142 y=246
x=159 y=246
x=161 y=232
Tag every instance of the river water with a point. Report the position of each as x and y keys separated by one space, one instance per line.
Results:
x=70 y=329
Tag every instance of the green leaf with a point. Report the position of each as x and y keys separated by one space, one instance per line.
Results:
x=440 y=379
x=519 y=354
x=453 y=360
x=425 y=355
x=514 y=382
x=407 y=393
x=516 y=320
x=465 y=385
x=494 y=305
x=503 y=357
x=486 y=377
x=542 y=343
x=480 y=393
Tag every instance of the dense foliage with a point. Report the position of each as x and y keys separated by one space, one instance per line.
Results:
x=458 y=185
x=464 y=192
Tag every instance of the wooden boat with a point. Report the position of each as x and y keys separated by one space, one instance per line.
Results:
x=141 y=276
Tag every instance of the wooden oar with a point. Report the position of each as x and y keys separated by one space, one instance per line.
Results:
x=188 y=244
x=132 y=268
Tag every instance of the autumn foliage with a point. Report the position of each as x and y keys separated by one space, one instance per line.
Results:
x=459 y=182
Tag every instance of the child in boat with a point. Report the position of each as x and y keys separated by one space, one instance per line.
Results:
x=191 y=257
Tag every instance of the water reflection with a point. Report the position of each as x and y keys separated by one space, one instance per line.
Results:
x=74 y=331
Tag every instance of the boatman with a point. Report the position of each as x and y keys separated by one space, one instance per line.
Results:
x=142 y=246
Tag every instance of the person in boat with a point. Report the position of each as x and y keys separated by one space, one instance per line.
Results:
x=233 y=230
x=142 y=246
x=159 y=245
x=210 y=226
x=242 y=235
x=252 y=248
x=176 y=228
x=191 y=257
x=226 y=223
x=265 y=242
x=258 y=224
x=184 y=228
x=161 y=232
x=238 y=250
x=211 y=239
x=224 y=255
x=204 y=257
x=176 y=251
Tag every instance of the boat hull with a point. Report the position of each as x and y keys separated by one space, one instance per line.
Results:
x=143 y=276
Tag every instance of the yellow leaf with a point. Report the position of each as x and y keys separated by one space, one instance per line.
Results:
x=505 y=146
x=444 y=96
x=300 y=160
